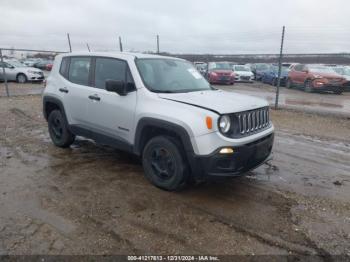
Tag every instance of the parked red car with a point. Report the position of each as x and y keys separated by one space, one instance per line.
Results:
x=315 y=78
x=220 y=73
x=49 y=67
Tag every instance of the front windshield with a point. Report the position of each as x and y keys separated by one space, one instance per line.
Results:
x=320 y=69
x=241 y=68
x=15 y=63
x=220 y=66
x=164 y=75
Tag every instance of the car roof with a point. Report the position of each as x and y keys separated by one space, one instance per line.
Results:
x=121 y=55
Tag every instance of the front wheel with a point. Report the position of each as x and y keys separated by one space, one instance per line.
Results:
x=308 y=86
x=163 y=163
x=21 y=78
x=289 y=84
x=58 y=130
x=338 y=91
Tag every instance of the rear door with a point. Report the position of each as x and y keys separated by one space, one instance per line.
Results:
x=109 y=113
x=76 y=88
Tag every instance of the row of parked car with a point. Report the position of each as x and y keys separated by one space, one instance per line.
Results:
x=43 y=64
x=309 y=77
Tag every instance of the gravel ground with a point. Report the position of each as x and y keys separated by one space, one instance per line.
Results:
x=91 y=199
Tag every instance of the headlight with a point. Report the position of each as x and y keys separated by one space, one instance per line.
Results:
x=224 y=124
x=32 y=72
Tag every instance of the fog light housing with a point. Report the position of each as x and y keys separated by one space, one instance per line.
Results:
x=226 y=150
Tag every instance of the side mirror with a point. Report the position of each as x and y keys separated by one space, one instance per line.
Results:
x=305 y=71
x=116 y=86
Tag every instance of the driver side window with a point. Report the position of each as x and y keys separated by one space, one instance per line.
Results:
x=112 y=69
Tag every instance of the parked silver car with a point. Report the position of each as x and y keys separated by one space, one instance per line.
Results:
x=16 y=71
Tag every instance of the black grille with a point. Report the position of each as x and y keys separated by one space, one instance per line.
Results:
x=249 y=122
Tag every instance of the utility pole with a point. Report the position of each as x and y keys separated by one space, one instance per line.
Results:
x=279 y=69
x=70 y=46
x=157 y=44
x=120 y=44
x=88 y=47
x=4 y=74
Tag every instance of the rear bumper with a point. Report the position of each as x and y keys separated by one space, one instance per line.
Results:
x=244 y=158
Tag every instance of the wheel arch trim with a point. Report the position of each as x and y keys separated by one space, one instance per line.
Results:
x=146 y=122
x=54 y=100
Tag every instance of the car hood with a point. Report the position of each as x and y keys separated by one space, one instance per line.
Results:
x=27 y=68
x=221 y=71
x=327 y=75
x=221 y=102
x=243 y=73
x=33 y=69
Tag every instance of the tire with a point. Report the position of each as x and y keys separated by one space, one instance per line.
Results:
x=21 y=78
x=289 y=83
x=308 y=86
x=338 y=92
x=58 y=130
x=164 y=165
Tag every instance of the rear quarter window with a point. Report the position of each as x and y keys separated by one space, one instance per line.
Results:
x=64 y=67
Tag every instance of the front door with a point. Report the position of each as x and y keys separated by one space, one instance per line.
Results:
x=109 y=113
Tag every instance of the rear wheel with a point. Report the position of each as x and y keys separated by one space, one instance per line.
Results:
x=163 y=163
x=308 y=86
x=21 y=78
x=58 y=130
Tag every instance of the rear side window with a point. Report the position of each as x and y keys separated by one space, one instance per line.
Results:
x=110 y=69
x=79 y=70
x=64 y=67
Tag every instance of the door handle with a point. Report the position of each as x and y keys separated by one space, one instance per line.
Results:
x=95 y=97
x=63 y=90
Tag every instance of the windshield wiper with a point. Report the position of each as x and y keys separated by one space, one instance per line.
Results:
x=162 y=91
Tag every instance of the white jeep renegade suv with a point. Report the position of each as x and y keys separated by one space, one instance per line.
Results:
x=161 y=109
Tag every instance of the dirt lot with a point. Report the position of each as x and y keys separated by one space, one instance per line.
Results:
x=91 y=199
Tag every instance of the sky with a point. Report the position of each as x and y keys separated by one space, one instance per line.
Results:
x=184 y=26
